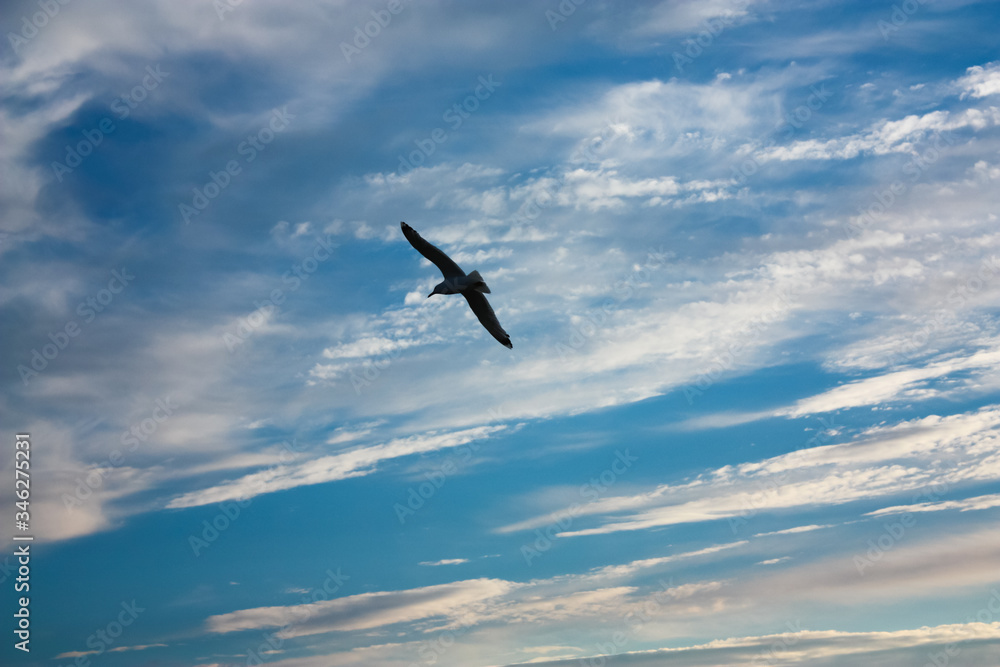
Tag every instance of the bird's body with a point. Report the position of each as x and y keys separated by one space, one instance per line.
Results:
x=458 y=284
x=456 y=281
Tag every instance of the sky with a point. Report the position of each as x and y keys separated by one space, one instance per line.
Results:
x=747 y=253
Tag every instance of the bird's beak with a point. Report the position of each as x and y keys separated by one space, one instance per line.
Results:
x=430 y=295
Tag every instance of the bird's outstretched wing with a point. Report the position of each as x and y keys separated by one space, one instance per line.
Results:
x=449 y=268
x=481 y=307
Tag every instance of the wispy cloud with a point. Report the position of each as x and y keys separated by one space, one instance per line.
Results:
x=754 y=243
x=882 y=462
x=445 y=561
x=352 y=463
x=968 y=504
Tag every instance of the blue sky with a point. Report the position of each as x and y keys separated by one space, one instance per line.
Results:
x=747 y=253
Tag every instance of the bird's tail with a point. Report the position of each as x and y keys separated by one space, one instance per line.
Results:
x=478 y=283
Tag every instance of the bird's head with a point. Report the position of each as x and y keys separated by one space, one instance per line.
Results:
x=441 y=288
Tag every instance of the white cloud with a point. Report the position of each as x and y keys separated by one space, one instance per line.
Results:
x=366 y=610
x=116 y=649
x=683 y=16
x=900 y=136
x=484 y=611
x=366 y=347
x=981 y=81
x=984 y=502
x=468 y=606
x=445 y=561
x=898 y=385
x=792 y=531
x=882 y=462
x=600 y=189
x=819 y=647
x=774 y=561
x=624 y=572
x=352 y=463
x=757 y=279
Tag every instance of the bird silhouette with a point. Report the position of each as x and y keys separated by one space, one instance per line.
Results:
x=456 y=281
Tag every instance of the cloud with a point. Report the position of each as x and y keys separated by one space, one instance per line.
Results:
x=984 y=502
x=690 y=16
x=774 y=561
x=358 y=353
x=898 y=385
x=605 y=601
x=471 y=605
x=445 y=561
x=628 y=570
x=981 y=81
x=366 y=610
x=911 y=456
x=637 y=125
x=116 y=649
x=825 y=648
x=660 y=306
x=599 y=189
x=352 y=463
x=632 y=261
x=792 y=531
x=901 y=136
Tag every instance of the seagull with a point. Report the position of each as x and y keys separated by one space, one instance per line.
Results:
x=456 y=281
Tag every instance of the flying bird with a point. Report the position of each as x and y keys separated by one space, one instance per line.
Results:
x=456 y=281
